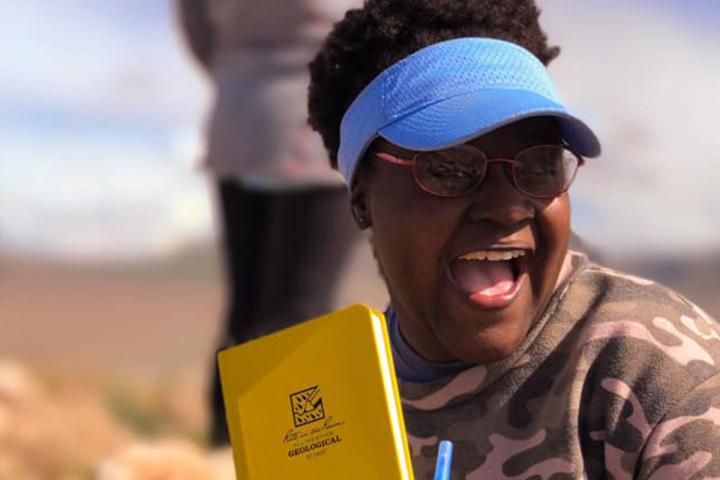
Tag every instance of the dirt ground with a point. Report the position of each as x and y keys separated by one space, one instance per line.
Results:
x=152 y=316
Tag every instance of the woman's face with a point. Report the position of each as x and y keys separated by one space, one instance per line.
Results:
x=452 y=303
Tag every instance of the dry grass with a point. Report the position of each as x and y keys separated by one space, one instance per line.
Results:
x=59 y=428
x=167 y=460
x=52 y=433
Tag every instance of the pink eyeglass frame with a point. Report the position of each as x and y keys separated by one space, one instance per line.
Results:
x=412 y=163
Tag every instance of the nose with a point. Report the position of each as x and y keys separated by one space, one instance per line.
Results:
x=497 y=200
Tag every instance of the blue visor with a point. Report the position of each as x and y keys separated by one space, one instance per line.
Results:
x=451 y=92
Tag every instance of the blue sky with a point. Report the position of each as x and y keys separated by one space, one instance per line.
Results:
x=698 y=13
x=101 y=114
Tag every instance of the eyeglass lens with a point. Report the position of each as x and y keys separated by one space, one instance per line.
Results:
x=542 y=171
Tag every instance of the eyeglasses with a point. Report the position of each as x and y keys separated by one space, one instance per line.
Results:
x=541 y=171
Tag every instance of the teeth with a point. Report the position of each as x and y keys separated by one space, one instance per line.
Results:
x=493 y=255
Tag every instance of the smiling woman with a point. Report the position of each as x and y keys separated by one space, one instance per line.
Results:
x=459 y=153
x=461 y=306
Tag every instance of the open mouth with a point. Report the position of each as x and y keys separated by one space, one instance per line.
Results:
x=490 y=278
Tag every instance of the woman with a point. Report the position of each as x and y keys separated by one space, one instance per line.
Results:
x=458 y=153
x=281 y=209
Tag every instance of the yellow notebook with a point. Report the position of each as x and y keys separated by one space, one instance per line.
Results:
x=317 y=401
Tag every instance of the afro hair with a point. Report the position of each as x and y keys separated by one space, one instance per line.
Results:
x=369 y=40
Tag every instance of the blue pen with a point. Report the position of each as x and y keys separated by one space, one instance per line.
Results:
x=444 y=460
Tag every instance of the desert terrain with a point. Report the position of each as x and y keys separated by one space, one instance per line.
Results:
x=103 y=366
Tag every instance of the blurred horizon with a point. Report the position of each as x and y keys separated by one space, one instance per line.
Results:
x=101 y=121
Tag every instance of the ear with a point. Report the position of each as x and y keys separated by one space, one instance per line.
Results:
x=360 y=205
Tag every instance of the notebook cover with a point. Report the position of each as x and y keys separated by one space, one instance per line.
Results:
x=316 y=401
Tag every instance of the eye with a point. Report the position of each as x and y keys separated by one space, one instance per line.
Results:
x=452 y=163
x=446 y=171
x=449 y=169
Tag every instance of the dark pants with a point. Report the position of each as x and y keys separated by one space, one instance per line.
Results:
x=284 y=254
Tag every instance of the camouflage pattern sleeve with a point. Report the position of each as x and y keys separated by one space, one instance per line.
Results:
x=685 y=444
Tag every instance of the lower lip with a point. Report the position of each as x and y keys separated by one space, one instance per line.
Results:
x=499 y=301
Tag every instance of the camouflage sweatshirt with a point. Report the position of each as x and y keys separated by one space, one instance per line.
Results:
x=619 y=379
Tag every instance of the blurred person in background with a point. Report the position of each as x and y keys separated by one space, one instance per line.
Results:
x=281 y=208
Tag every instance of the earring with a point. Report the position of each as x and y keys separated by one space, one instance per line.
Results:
x=362 y=221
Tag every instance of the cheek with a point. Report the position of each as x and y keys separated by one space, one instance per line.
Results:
x=410 y=230
x=401 y=212
x=555 y=218
x=411 y=234
x=552 y=225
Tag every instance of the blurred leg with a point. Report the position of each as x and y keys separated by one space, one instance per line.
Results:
x=242 y=221
x=312 y=235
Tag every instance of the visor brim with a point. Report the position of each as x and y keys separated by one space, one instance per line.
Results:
x=464 y=117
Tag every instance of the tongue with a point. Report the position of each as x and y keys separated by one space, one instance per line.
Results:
x=484 y=277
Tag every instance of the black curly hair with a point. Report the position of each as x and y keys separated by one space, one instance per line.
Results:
x=369 y=40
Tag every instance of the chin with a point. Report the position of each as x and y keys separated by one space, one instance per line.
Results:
x=487 y=337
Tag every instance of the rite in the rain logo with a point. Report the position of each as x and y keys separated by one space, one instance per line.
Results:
x=307 y=406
